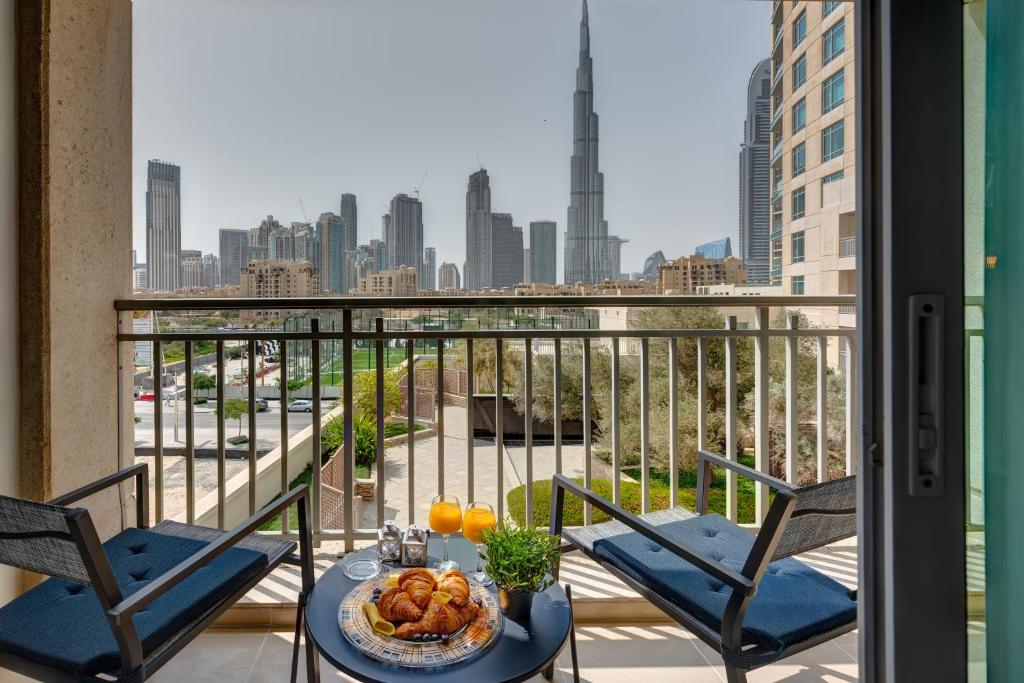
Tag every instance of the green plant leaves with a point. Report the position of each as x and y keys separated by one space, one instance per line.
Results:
x=521 y=558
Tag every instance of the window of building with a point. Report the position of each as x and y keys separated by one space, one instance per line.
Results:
x=832 y=177
x=832 y=91
x=832 y=141
x=833 y=42
x=799 y=159
x=798 y=203
x=799 y=115
x=799 y=72
x=829 y=6
x=798 y=284
x=797 y=247
x=800 y=29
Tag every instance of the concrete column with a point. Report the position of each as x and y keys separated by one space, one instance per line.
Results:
x=74 y=214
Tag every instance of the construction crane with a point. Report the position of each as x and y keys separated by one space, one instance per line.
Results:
x=479 y=162
x=304 y=216
x=418 y=187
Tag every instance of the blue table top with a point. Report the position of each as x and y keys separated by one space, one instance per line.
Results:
x=518 y=655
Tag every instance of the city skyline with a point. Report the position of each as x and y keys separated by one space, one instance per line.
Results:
x=234 y=176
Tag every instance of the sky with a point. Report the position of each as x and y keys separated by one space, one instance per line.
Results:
x=268 y=103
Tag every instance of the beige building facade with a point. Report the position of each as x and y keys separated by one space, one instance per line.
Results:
x=394 y=282
x=686 y=274
x=271 y=279
x=813 y=239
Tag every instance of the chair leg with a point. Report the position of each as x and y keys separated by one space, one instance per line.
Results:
x=312 y=660
x=735 y=675
x=299 y=610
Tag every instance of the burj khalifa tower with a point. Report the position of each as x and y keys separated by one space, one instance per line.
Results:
x=586 y=237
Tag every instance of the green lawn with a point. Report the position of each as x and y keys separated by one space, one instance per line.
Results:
x=630 y=497
x=362 y=359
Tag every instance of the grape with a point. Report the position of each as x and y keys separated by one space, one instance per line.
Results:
x=418 y=638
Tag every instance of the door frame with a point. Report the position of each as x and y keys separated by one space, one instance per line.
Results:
x=910 y=194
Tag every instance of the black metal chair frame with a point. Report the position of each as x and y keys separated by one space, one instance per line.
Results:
x=135 y=666
x=729 y=641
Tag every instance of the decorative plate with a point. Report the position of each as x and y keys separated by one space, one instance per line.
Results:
x=466 y=643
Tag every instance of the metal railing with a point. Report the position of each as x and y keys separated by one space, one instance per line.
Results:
x=370 y=331
x=847 y=246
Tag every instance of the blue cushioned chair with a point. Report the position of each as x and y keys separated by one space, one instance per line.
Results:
x=741 y=593
x=120 y=610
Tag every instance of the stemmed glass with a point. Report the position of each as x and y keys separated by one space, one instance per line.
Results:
x=478 y=517
x=445 y=519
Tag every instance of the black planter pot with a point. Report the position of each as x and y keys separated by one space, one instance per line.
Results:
x=516 y=605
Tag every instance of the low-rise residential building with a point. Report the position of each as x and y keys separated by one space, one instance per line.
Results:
x=273 y=279
x=686 y=274
x=400 y=281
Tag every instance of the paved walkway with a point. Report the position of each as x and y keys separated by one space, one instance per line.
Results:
x=456 y=469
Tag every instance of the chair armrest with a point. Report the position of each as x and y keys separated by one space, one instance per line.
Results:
x=705 y=459
x=126 y=608
x=141 y=473
x=743 y=470
x=560 y=484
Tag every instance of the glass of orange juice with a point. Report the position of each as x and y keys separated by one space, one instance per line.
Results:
x=479 y=516
x=445 y=519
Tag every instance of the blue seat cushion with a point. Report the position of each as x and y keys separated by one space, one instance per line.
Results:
x=61 y=624
x=793 y=602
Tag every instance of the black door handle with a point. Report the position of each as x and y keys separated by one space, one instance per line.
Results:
x=927 y=401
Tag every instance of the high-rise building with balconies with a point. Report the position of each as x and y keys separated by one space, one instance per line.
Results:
x=813 y=241
x=755 y=176
x=163 y=226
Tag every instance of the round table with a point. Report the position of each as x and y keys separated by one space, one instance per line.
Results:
x=518 y=655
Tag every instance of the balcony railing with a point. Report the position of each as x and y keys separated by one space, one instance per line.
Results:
x=847 y=246
x=504 y=328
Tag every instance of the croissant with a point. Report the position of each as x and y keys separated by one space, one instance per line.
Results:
x=419 y=583
x=396 y=605
x=455 y=584
x=443 y=619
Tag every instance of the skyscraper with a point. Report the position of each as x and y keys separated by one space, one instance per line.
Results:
x=429 y=270
x=615 y=257
x=449 y=277
x=719 y=249
x=755 y=172
x=405 y=233
x=651 y=265
x=233 y=247
x=331 y=230
x=506 y=252
x=211 y=271
x=586 y=236
x=163 y=226
x=350 y=215
x=191 y=269
x=350 y=238
x=543 y=258
x=477 y=269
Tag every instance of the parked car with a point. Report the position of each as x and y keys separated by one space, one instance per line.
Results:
x=261 y=405
x=301 y=405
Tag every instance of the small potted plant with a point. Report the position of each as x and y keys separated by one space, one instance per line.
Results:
x=522 y=561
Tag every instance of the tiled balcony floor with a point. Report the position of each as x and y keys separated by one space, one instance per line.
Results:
x=607 y=654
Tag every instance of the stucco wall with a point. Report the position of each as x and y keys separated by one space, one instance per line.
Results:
x=90 y=232
x=8 y=271
x=74 y=145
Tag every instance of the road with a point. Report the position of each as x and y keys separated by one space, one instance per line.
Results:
x=268 y=425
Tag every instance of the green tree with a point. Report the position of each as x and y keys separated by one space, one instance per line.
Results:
x=236 y=409
x=202 y=382
x=364 y=394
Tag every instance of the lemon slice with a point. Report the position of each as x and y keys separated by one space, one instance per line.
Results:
x=392 y=581
x=441 y=597
x=385 y=628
